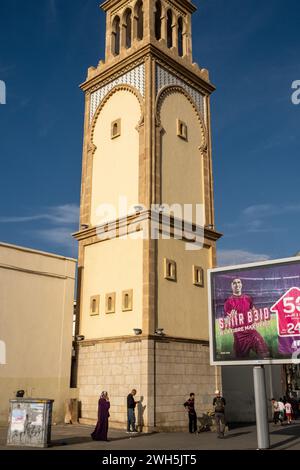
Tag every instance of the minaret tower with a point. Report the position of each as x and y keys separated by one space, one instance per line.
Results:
x=142 y=293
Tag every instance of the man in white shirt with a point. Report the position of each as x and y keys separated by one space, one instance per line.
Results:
x=281 y=409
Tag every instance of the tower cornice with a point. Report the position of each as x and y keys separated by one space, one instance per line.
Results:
x=191 y=72
x=186 y=4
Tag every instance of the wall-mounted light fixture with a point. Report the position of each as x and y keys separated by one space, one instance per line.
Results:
x=159 y=331
x=137 y=331
x=79 y=337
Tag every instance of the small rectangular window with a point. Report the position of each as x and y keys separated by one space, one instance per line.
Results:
x=116 y=128
x=110 y=303
x=94 y=305
x=127 y=300
x=198 y=276
x=170 y=270
x=182 y=129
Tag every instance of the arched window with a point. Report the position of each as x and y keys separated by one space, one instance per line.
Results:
x=158 y=20
x=180 y=37
x=169 y=29
x=116 y=36
x=128 y=28
x=109 y=303
x=139 y=15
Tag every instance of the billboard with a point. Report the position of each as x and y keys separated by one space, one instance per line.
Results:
x=254 y=313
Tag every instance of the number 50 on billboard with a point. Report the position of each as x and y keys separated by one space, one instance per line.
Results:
x=254 y=313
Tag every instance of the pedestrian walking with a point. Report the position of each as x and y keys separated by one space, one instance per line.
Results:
x=281 y=410
x=275 y=408
x=101 y=429
x=288 y=412
x=219 y=405
x=190 y=408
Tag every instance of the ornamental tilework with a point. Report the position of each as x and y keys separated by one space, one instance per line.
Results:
x=164 y=78
x=135 y=78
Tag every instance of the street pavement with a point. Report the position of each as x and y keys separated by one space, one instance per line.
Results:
x=77 y=437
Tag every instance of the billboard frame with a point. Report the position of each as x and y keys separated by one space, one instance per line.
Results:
x=252 y=362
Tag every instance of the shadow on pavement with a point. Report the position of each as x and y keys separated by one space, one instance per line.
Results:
x=286 y=430
x=70 y=441
x=236 y=434
x=84 y=439
x=238 y=425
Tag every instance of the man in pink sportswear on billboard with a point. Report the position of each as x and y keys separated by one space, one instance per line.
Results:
x=238 y=308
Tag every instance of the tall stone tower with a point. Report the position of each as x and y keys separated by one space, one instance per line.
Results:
x=142 y=293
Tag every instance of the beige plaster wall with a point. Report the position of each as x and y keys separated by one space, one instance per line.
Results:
x=116 y=161
x=182 y=307
x=112 y=266
x=36 y=316
x=181 y=160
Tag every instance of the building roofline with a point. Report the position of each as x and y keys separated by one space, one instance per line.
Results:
x=37 y=252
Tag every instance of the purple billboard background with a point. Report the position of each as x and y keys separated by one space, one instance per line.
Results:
x=264 y=284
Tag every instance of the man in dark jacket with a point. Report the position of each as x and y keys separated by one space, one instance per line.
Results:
x=190 y=407
x=131 y=404
x=219 y=405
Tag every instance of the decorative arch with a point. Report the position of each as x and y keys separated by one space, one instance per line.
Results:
x=115 y=36
x=157 y=19
x=127 y=25
x=117 y=88
x=91 y=148
x=164 y=92
x=180 y=36
x=172 y=89
x=170 y=28
x=139 y=19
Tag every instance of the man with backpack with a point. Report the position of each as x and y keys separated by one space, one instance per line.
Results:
x=219 y=405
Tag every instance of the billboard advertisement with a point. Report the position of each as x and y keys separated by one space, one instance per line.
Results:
x=254 y=313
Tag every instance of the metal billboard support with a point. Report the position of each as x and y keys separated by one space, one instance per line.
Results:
x=261 y=410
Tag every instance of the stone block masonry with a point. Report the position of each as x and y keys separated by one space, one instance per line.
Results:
x=164 y=372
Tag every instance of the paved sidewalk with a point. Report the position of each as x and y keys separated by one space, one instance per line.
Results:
x=77 y=437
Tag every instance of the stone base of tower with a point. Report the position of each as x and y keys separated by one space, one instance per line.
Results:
x=164 y=371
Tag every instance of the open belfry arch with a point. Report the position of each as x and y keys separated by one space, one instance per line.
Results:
x=147 y=141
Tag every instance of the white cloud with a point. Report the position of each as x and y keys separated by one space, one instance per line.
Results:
x=233 y=257
x=57 y=223
x=65 y=214
x=57 y=235
x=258 y=219
x=269 y=210
x=20 y=219
x=258 y=210
x=62 y=215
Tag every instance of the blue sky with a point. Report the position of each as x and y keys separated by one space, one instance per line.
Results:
x=252 y=50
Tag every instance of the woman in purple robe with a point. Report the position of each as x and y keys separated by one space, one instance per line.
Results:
x=101 y=429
